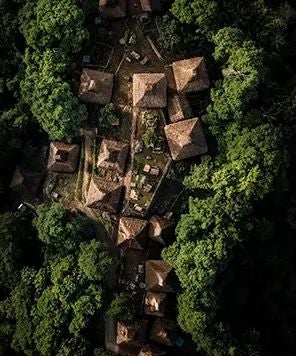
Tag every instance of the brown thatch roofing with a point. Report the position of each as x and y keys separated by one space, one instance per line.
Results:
x=179 y=108
x=151 y=350
x=149 y=90
x=191 y=75
x=150 y=5
x=113 y=155
x=113 y=8
x=157 y=276
x=95 y=86
x=164 y=331
x=104 y=195
x=159 y=229
x=155 y=304
x=132 y=233
x=25 y=180
x=63 y=157
x=186 y=139
x=126 y=332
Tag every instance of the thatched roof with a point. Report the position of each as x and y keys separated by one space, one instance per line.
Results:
x=25 y=180
x=149 y=90
x=164 y=331
x=150 y=5
x=157 y=276
x=104 y=195
x=155 y=304
x=179 y=108
x=96 y=87
x=151 y=350
x=126 y=331
x=186 y=139
x=113 y=155
x=132 y=233
x=191 y=75
x=113 y=8
x=63 y=157
x=160 y=229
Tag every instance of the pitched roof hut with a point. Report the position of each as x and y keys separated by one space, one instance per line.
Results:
x=179 y=108
x=160 y=229
x=25 y=181
x=191 y=75
x=186 y=139
x=113 y=8
x=157 y=276
x=96 y=87
x=132 y=233
x=103 y=195
x=150 y=5
x=131 y=336
x=63 y=157
x=164 y=331
x=113 y=155
x=155 y=304
x=149 y=90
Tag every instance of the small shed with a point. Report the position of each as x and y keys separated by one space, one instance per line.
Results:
x=186 y=139
x=149 y=90
x=96 y=87
x=179 y=108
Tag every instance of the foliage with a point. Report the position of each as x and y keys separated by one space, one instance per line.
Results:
x=54 y=304
x=120 y=307
x=108 y=116
x=169 y=36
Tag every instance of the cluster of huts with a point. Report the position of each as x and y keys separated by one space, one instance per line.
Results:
x=153 y=331
x=184 y=133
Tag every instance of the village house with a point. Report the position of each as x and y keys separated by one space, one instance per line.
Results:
x=63 y=157
x=160 y=229
x=179 y=108
x=113 y=155
x=191 y=75
x=104 y=195
x=149 y=90
x=113 y=8
x=155 y=304
x=131 y=336
x=132 y=233
x=164 y=331
x=186 y=139
x=25 y=181
x=96 y=87
x=158 y=276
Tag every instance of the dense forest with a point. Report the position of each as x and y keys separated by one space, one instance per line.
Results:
x=234 y=253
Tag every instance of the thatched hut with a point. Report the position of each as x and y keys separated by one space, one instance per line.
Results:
x=191 y=75
x=149 y=90
x=104 y=195
x=164 y=331
x=113 y=155
x=96 y=87
x=179 y=108
x=63 y=157
x=132 y=233
x=186 y=139
x=158 y=276
x=113 y=8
